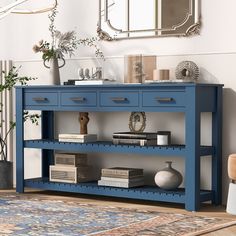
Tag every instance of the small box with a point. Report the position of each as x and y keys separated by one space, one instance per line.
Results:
x=70 y=159
x=75 y=175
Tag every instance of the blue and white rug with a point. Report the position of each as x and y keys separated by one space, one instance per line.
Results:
x=33 y=215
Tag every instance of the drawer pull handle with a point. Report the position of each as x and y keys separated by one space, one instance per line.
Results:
x=40 y=99
x=119 y=99
x=164 y=99
x=78 y=99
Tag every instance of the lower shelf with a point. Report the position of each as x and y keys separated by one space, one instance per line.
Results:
x=152 y=193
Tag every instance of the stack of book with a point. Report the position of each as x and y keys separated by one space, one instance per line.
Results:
x=77 y=138
x=141 y=138
x=121 y=177
x=71 y=168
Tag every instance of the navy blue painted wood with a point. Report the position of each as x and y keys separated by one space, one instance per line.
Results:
x=152 y=193
x=192 y=160
x=108 y=147
x=79 y=99
x=190 y=98
x=47 y=133
x=19 y=142
x=217 y=143
x=119 y=99
x=41 y=98
x=164 y=99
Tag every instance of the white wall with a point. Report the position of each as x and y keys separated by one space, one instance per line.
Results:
x=214 y=50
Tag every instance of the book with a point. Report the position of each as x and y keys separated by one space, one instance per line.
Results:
x=121 y=176
x=135 y=141
x=95 y=82
x=77 y=138
x=169 y=81
x=136 y=135
x=123 y=180
x=122 y=171
x=89 y=82
x=75 y=135
x=120 y=184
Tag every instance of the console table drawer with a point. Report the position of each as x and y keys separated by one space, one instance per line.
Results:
x=119 y=99
x=79 y=99
x=164 y=99
x=39 y=99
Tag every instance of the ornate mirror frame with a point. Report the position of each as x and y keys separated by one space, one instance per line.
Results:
x=188 y=26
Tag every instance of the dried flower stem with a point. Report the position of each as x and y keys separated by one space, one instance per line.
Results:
x=63 y=43
x=52 y=27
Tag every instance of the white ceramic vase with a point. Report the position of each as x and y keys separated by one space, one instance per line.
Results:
x=168 y=178
x=54 y=70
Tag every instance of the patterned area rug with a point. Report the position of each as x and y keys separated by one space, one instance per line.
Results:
x=24 y=215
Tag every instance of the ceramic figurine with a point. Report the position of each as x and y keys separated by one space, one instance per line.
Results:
x=86 y=74
x=81 y=73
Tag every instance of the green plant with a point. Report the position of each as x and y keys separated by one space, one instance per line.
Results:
x=12 y=79
x=63 y=43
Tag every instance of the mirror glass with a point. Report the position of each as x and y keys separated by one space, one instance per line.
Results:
x=119 y=19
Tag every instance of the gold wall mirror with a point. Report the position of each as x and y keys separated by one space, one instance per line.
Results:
x=125 y=19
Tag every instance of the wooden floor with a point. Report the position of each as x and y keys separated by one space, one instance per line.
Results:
x=206 y=209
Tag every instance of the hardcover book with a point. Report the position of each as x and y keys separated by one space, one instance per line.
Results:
x=77 y=138
x=123 y=180
x=89 y=82
x=121 y=176
x=122 y=171
x=135 y=135
x=138 y=141
x=120 y=184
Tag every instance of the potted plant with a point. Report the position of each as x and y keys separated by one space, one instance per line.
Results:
x=6 y=166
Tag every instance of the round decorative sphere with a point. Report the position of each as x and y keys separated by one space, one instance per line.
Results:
x=168 y=178
x=187 y=70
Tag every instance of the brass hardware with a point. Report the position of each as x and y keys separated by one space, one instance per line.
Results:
x=119 y=99
x=40 y=99
x=164 y=99
x=78 y=99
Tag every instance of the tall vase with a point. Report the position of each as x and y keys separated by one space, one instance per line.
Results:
x=6 y=174
x=54 y=70
x=168 y=178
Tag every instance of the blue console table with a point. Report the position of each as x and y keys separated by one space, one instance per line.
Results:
x=189 y=98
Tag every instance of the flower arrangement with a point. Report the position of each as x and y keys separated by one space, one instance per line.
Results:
x=63 y=43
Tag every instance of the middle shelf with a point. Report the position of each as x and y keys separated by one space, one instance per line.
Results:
x=109 y=147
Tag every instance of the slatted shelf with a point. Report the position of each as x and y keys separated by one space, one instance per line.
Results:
x=151 y=193
x=109 y=147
